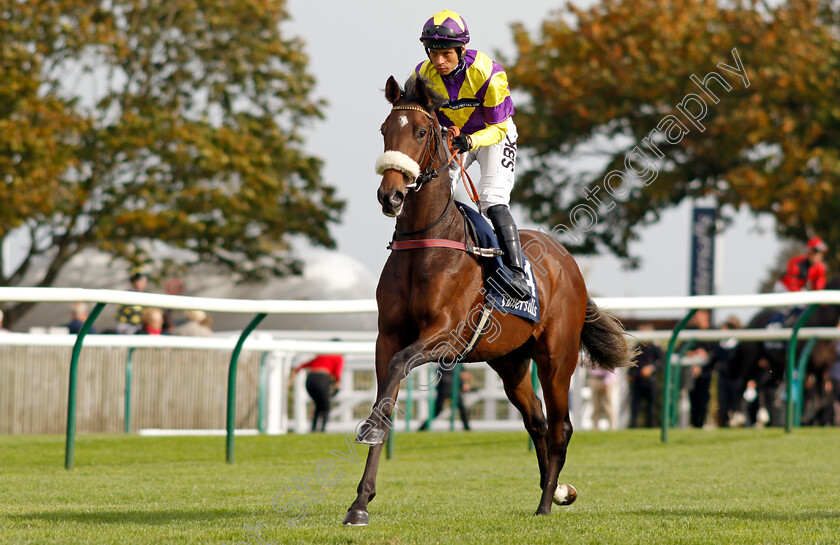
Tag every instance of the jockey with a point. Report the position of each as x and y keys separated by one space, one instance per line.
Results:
x=480 y=106
x=805 y=271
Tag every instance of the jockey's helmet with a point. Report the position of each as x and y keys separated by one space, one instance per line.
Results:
x=445 y=29
x=817 y=245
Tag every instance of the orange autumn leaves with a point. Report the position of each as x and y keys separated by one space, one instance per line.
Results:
x=130 y=124
x=603 y=77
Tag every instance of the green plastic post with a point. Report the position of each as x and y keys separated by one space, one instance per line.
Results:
x=409 y=406
x=535 y=383
x=70 y=445
x=791 y=360
x=129 y=369
x=666 y=395
x=431 y=375
x=389 y=444
x=678 y=381
x=231 y=393
x=456 y=394
x=804 y=356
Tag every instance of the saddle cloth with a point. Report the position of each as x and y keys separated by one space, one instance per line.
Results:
x=779 y=320
x=496 y=275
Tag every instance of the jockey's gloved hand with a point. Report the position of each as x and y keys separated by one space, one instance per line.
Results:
x=461 y=143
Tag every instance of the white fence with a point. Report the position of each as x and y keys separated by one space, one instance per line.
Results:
x=358 y=387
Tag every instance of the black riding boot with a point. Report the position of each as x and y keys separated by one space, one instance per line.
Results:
x=508 y=236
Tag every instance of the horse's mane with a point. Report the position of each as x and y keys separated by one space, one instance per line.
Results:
x=416 y=87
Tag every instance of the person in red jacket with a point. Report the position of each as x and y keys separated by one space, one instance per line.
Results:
x=324 y=373
x=805 y=271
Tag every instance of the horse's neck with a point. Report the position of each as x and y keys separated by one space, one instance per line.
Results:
x=825 y=316
x=424 y=207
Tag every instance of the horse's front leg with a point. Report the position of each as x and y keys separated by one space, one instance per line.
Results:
x=374 y=431
x=358 y=515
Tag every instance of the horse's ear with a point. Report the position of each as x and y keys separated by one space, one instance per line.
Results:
x=424 y=97
x=392 y=90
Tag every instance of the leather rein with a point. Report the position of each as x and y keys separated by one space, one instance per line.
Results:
x=427 y=175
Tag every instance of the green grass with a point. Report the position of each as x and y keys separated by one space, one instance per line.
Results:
x=715 y=487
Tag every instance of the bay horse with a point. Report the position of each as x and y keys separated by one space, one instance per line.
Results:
x=430 y=302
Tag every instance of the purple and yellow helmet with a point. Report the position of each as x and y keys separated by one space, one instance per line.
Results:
x=445 y=29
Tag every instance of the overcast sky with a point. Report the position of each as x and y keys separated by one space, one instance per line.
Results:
x=355 y=46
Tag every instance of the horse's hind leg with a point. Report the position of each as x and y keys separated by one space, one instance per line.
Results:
x=555 y=372
x=515 y=373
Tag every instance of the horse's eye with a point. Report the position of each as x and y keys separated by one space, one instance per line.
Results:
x=421 y=133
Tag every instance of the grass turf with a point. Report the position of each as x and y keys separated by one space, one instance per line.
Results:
x=715 y=487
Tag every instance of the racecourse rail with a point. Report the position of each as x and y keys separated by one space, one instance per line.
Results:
x=260 y=309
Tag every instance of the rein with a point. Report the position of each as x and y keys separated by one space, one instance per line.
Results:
x=428 y=174
x=426 y=228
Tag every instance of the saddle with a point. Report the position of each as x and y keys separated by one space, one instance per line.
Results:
x=781 y=320
x=496 y=276
x=484 y=245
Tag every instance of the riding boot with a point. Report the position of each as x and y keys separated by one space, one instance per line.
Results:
x=508 y=236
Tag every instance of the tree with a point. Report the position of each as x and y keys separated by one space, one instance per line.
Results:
x=130 y=124
x=630 y=82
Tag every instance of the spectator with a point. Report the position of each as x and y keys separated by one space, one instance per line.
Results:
x=168 y=322
x=805 y=271
x=643 y=380
x=322 y=382
x=2 y=329
x=730 y=382
x=834 y=377
x=699 y=391
x=78 y=315
x=600 y=384
x=194 y=326
x=759 y=395
x=444 y=392
x=208 y=323
x=151 y=322
x=130 y=317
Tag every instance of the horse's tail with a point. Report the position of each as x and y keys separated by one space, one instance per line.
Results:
x=604 y=339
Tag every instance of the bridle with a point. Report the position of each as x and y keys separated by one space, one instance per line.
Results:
x=429 y=173
x=405 y=164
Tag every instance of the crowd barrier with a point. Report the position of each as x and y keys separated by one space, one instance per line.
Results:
x=262 y=308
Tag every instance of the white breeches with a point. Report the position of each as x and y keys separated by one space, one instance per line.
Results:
x=498 y=166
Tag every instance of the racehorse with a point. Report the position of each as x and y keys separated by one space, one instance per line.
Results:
x=766 y=362
x=430 y=301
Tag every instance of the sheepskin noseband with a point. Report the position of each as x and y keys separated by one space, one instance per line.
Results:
x=398 y=160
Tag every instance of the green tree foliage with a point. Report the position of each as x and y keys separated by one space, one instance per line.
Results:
x=601 y=80
x=125 y=124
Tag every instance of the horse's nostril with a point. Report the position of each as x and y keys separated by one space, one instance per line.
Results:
x=397 y=198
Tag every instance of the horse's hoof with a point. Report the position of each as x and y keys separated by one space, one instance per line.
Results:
x=356 y=517
x=371 y=437
x=565 y=494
